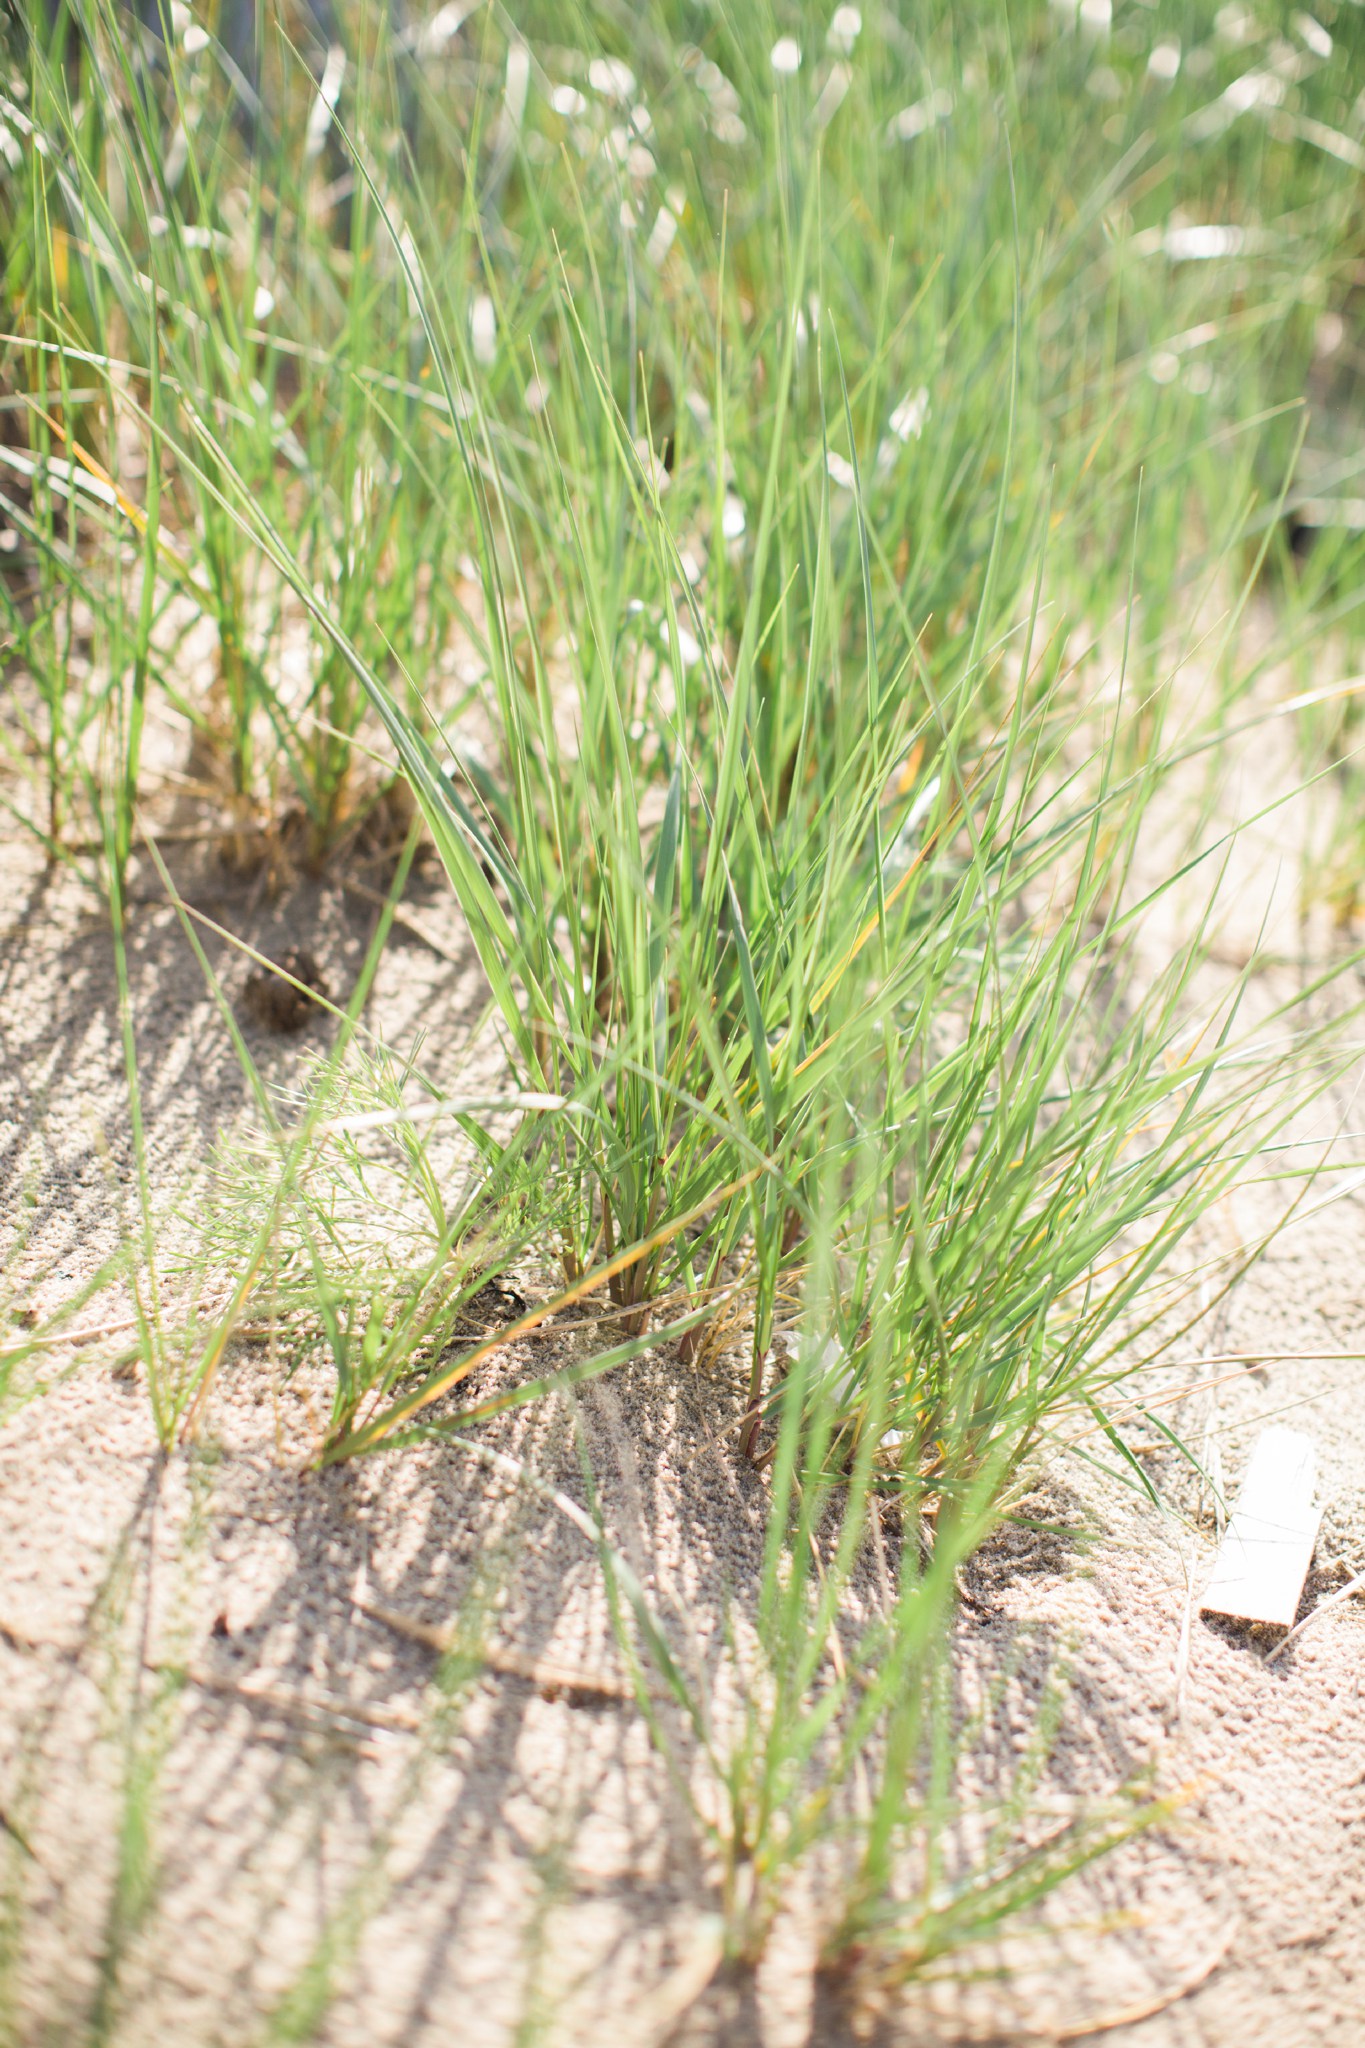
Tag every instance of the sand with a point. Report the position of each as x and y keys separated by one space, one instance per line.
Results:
x=341 y=1850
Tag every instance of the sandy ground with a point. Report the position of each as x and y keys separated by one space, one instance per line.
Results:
x=342 y=1850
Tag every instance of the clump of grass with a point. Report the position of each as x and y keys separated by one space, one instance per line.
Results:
x=773 y=832
x=904 y=926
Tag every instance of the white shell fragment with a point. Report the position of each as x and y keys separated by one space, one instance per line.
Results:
x=1263 y=1559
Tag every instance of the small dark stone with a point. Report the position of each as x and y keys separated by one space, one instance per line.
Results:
x=276 y=1003
x=497 y=1303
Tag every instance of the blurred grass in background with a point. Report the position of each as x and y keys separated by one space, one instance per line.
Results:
x=1177 y=188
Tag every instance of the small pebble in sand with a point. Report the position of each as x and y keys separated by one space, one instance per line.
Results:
x=276 y=1003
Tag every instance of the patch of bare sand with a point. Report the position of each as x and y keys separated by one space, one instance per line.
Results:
x=505 y=1864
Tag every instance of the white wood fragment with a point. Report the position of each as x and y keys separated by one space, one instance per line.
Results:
x=1263 y=1559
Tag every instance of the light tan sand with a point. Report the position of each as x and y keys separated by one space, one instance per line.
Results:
x=508 y=1867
